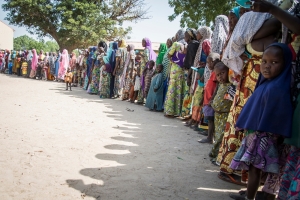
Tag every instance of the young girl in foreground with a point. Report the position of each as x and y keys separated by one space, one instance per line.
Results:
x=221 y=106
x=263 y=125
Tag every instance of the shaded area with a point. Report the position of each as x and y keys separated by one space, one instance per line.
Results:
x=116 y=154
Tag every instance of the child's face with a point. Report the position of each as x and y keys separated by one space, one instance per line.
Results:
x=159 y=68
x=272 y=63
x=221 y=73
x=210 y=63
x=151 y=65
x=199 y=36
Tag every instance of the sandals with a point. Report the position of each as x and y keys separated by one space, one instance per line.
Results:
x=242 y=194
x=205 y=141
x=169 y=116
x=231 y=178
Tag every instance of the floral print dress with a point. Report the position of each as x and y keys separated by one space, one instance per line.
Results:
x=176 y=88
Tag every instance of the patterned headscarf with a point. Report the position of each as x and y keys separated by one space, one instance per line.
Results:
x=220 y=34
x=206 y=35
x=192 y=32
x=180 y=36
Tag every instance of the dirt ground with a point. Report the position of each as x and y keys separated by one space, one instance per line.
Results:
x=57 y=144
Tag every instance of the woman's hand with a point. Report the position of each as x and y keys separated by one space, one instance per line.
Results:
x=244 y=57
x=262 y=6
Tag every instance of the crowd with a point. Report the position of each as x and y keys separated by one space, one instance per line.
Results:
x=240 y=81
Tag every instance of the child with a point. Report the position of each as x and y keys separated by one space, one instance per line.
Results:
x=155 y=96
x=148 y=73
x=68 y=78
x=137 y=84
x=10 y=66
x=208 y=111
x=197 y=99
x=221 y=106
x=266 y=118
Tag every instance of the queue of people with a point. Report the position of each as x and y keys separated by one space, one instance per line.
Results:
x=238 y=85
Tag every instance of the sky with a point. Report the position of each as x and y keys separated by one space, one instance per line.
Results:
x=158 y=28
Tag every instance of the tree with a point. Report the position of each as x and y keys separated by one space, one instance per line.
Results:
x=75 y=23
x=196 y=13
x=26 y=43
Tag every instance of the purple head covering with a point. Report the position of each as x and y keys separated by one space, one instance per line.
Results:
x=178 y=58
x=152 y=54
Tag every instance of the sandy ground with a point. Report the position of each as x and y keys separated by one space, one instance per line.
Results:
x=57 y=144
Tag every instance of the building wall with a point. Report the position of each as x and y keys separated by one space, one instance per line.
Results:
x=6 y=36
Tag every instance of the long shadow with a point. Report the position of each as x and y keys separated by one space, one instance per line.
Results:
x=158 y=158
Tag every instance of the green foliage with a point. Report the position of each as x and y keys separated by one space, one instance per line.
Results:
x=75 y=23
x=27 y=43
x=196 y=13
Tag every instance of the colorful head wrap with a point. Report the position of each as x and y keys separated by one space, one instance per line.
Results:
x=192 y=32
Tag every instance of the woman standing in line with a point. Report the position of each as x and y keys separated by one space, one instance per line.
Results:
x=64 y=64
x=34 y=63
x=147 y=55
x=121 y=55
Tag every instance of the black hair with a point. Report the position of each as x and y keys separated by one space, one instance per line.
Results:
x=220 y=65
x=151 y=61
x=216 y=61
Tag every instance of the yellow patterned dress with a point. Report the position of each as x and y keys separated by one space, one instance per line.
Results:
x=176 y=88
x=232 y=139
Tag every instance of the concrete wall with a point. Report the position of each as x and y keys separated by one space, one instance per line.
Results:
x=6 y=36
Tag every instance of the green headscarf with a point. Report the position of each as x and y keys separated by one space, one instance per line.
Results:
x=162 y=50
